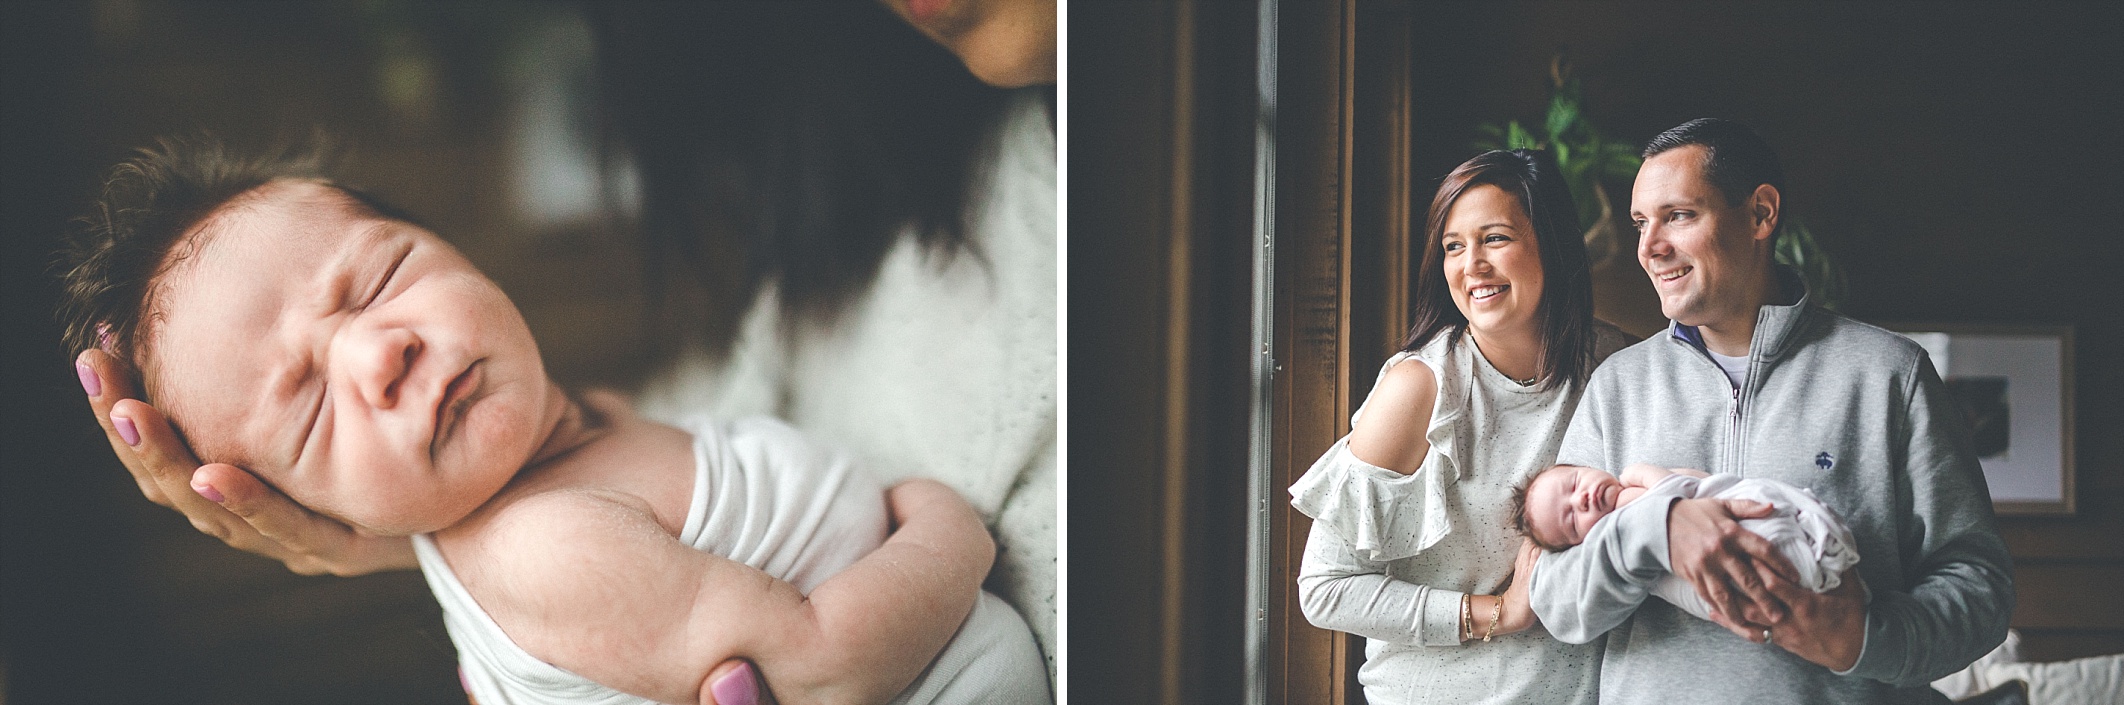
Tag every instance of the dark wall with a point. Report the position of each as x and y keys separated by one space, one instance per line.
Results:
x=1961 y=161
x=1160 y=124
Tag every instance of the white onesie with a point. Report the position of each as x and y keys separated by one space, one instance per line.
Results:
x=1807 y=532
x=767 y=497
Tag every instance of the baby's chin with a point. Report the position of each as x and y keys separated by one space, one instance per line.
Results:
x=408 y=520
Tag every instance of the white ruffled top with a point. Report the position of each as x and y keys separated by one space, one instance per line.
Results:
x=1390 y=555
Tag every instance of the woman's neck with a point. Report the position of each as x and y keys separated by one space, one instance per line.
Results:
x=1515 y=353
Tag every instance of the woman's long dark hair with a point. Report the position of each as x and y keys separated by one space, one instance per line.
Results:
x=785 y=141
x=1567 y=284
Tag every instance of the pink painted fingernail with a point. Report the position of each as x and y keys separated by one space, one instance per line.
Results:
x=89 y=382
x=126 y=430
x=208 y=492
x=103 y=337
x=736 y=687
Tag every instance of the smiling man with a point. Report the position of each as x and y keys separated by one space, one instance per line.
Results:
x=1752 y=380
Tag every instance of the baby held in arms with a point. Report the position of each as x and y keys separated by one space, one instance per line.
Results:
x=1567 y=505
x=363 y=367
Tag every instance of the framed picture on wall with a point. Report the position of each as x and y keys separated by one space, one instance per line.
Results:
x=2014 y=385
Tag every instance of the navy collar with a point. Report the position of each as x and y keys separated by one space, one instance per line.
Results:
x=1773 y=324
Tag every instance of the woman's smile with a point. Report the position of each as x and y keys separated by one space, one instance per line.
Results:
x=1486 y=292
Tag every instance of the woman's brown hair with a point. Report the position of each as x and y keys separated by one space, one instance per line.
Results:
x=1567 y=293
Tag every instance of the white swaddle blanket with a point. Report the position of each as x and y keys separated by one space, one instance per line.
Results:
x=764 y=496
x=1807 y=532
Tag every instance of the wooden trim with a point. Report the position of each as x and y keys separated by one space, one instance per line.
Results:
x=1315 y=50
x=1385 y=223
x=1179 y=284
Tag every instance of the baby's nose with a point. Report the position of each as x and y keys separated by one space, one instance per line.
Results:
x=381 y=363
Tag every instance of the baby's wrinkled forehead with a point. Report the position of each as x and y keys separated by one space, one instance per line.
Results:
x=286 y=208
x=226 y=279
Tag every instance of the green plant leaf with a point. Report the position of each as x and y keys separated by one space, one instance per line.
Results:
x=1563 y=115
x=1516 y=137
x=1799 y=248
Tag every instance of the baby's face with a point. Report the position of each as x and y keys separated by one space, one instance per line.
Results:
x=359 y=364
x=1564 y=502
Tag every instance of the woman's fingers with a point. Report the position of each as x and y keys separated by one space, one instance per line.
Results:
x=105 y=387
x=309 y=543
x=221 y=500
x=264 y=510
x=154 y=446
x=736 y=682
x=1523 y=564
x=170 y=465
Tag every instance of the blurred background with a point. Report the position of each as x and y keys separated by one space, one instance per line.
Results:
x=1951 y=161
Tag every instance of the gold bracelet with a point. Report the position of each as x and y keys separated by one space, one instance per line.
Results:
x=1467 y=619
x=1495 y=612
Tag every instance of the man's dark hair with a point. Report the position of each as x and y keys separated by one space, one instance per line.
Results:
x=1737 y=159
x=114 y=255
x=1567 y=289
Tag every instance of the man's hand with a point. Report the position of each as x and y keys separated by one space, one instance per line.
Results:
x=222 y=500
x=1707 y=547
x=1827 y=629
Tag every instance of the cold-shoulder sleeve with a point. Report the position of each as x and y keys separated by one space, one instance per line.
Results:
x=1380 y=514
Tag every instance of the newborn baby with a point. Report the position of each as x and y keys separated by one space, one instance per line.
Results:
x=364 y=368
x=1564 y=505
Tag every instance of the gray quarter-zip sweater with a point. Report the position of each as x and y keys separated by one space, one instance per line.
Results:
x=1850 y=411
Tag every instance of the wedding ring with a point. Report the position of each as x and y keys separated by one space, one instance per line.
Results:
x=1766 y=637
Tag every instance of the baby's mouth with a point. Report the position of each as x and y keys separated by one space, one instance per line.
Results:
x=450 y=408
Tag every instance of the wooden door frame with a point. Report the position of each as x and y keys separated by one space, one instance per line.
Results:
x=1341 y=210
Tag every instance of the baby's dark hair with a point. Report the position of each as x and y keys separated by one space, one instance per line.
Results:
x=114 y=254
x=1518 y=517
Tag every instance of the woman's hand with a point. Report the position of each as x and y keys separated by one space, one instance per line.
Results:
x=222 y=500
x=736 y=682
x=1518 y=614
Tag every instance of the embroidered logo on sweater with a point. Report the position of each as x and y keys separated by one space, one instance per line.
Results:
x=1825 y=460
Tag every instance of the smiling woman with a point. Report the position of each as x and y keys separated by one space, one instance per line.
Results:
x=1411 y=546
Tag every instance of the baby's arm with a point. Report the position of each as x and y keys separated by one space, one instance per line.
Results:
x=1638 y=477
x=592 y=584
x=1646 y=475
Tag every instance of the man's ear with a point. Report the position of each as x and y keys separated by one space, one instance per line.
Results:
x=1765 y=211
